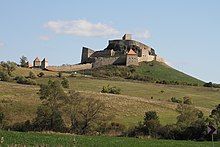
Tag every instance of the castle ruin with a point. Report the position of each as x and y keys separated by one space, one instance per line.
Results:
x=124 y=51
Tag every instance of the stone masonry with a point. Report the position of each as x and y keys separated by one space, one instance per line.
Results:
x=124 y=51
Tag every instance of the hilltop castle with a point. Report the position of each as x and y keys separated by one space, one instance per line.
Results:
x=124 y=51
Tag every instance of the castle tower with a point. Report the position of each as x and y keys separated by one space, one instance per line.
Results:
x=44 y=63
x=126 y=37
x=86 y=53
x=36 y=63
x=131 y=58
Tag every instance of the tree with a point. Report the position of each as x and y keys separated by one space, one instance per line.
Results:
x=215 y=116
x=49 y=116
x=188 y=114
x=151 y=123
x=150 y=115
x=85 y=113
x=24 y=61
x=52 y=93
x=65 y=83
x=48 y=119
x=8 y=66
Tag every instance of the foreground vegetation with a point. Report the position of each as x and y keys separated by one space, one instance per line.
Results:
x=52 y=139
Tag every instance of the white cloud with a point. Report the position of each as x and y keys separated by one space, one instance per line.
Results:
x=81 y=28
x=44 y=37
x=2 y=44
x=144 y=34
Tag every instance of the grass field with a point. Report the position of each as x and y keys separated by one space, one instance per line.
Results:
x=33 y=139
x=20 y=101
x=151 y=71
x=201 y=96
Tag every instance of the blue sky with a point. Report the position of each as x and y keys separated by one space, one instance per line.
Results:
x=186 y=33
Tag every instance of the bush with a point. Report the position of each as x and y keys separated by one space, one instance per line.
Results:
x=176 y=100
x=4 y=77
x=2 y=116
x=60 y=74
x=150 y=126
x=41 y=74
x=209 y=84
x=65 y=83
x=32 y=75
x=187 y=100
x=22 y=126
x=23 y=80
x=113 y=90
x=113 y=129
x=9 y=67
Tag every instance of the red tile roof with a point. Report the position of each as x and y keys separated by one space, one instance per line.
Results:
x=131 y=52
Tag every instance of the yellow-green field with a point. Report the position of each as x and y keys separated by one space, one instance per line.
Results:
x=20 y=101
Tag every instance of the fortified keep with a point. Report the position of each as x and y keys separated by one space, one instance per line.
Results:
x=120 y=52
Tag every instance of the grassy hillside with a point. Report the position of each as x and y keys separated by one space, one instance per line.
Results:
x=137 y=97
x=201 y=96
x=20 y=103
x=147 y=71
x=30 y=139
x=129 y=107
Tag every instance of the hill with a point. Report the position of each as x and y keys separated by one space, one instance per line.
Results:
x=155 y=72
x=21 y=101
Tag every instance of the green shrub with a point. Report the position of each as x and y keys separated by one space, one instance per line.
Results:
x=187 y=100
x=23 y=80
x=176 y=100
x=4 y=77
x=65 y=83
x=113 y=90
x=209 y=84
x=60 y=74
x=41 y=74
x=32 y=75
x=112 y=128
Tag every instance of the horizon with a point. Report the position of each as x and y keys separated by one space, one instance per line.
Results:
x=185 y=33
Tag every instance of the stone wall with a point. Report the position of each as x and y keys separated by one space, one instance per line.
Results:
x=76 y=67
x=101 y=61
x=102 y=53
x=86 y=53
x=160 y=59
x=131 y=60
x=130 y=43
x=147 y=58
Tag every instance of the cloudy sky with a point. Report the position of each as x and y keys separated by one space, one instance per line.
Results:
x=186 y=33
